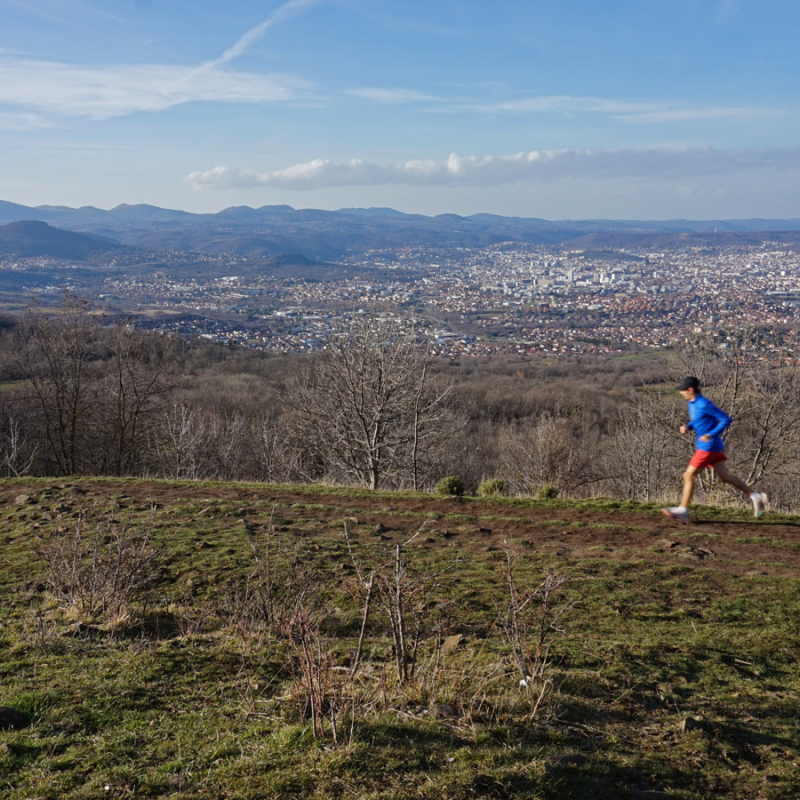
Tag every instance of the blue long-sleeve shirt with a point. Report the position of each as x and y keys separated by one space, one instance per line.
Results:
x=706 y=418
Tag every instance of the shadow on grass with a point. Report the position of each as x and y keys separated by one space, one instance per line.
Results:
x=155 y=627
x=742 y=741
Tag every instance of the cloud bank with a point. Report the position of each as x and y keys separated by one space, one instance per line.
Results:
x=532 y=166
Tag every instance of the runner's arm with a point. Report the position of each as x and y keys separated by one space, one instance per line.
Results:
x=723 y=419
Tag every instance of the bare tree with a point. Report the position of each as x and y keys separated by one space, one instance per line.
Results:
x=54 y=353
x=181 y=442
x=138 y=377
x=270 y=447
x=17 y=454
x=367 y=407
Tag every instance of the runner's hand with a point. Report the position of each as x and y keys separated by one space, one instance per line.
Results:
x=706 y=438
x=684 y=429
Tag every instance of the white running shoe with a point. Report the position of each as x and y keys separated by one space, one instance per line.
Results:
x=676 y=512
x=759 y=503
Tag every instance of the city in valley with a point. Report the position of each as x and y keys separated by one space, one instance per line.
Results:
x=465 y=301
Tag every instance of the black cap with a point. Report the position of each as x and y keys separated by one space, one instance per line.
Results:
x=689 y=383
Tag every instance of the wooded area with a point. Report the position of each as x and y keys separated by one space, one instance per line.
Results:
x=82 y=396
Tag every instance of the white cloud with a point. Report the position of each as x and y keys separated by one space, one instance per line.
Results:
x=623 y=110
x=101 y=93
x=533 y=166
x=393 y=96
x=22 y=121
x=567 y=104
x=691 y=114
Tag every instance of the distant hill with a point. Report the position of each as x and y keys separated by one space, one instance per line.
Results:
x=658 y=241
x=291 y=260
x=31 y=238
x=328 y=235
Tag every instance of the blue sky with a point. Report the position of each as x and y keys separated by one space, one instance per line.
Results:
x=559 y=109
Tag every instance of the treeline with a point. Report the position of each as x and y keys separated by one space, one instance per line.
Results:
x=81 y=396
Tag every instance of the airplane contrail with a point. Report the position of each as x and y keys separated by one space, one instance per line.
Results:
x=285 y=12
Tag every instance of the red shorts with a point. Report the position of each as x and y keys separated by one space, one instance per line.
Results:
x=706 y=458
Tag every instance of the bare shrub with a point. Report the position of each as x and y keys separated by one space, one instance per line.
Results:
x=531 y=623
x=283 y=603
x=253 y=604
x=310 y=661
x=646 y=454
x=101 y=575
x=551 y=450
x=406 y=598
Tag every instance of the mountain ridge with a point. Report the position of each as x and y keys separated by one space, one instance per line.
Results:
x=324 y=235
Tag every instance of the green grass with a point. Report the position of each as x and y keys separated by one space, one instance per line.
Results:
x=191 y=705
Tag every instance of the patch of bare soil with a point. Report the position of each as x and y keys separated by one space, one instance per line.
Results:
x=757 y=547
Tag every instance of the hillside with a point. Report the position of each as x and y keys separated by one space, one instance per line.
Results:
x=32 y=239
x=672 y=671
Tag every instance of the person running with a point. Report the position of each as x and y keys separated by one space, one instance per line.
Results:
x=708 y=422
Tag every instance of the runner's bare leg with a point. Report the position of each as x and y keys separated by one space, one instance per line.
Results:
x=724 y=474
x=688 y=485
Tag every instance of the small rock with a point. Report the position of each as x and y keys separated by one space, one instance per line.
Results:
x=451 y=643
x=444 y=711
x=21 y=499
x=691 y=724
x=699 y=553
x=668 y=544
x=380 y=528
x=10 y=718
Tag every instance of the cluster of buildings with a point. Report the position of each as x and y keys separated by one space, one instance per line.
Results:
x=511 y=298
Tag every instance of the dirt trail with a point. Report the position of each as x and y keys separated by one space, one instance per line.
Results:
x=746 y=547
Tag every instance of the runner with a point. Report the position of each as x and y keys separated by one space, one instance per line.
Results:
x=708 y=422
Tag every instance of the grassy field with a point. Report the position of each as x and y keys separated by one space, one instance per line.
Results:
x=672 y=673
